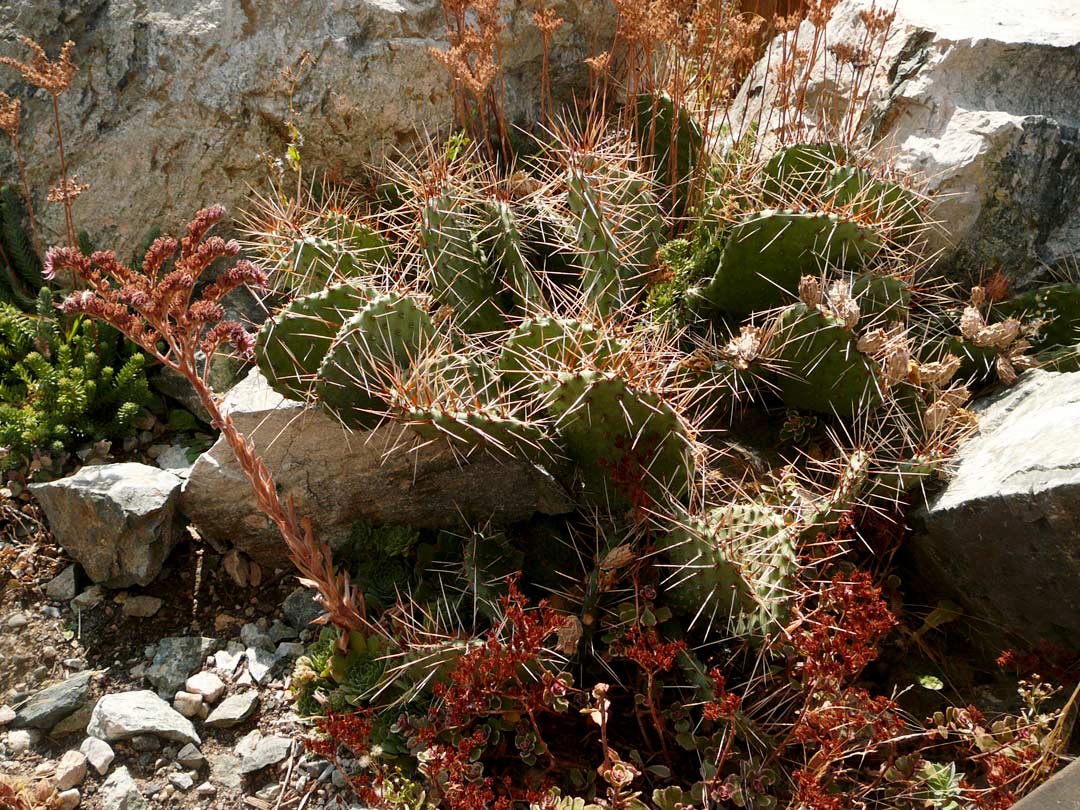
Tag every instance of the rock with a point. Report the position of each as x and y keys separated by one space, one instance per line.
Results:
x=74 y=723
x=142 y=607
x=145 y=743
x=1000 y=538
x=205 y=791
x=261 y=664
x=7 y=714
x=62 y=587
x=267 y=751
x=251 y=635
x=17 y=621
x=279 y=631
x=206 y=684
x=176 y=658
x=68 y=799
x=90 y=598
x=181 y=781
x=1060 y=792
x=20 y=741
x=188 y=704
x=968 y=96
x=52 y=704
x=152 y=75
x=228 y=660
x=289 y=649
x=387 y=475
x=119 y=521
x=175 y=460
x=234 y=710
x=98 y=753
x=236 y=566
x=70 y=770
x=190 y=757
x=128 y=714
x=300 y=608
x=225 y=771
x=120 y=792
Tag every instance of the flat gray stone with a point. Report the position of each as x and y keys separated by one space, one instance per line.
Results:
x=176 y=658
x=267 y=751
x=62 y=587
x=1001 y=537
x=234 y=710
x=98 y=753
x=119 y=521
x=300 y=608
x=53 y=703
x=141 y=607
x=119 y=792
x=191 y=757
x=126 y=715
x=225 y=771
x=387 y=475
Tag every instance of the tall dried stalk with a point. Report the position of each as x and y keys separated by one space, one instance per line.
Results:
x=155 y=309
x=54 y=77
x=10 y=119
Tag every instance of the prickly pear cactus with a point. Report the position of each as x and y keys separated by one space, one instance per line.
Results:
x=630 y=446
x=801 y=172
x=819 y=365
x=673 y=140
x=767 y=254
x=380 y=341
x=291 y=345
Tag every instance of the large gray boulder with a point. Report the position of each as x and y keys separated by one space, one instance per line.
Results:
x=386 y=475
x=119 y=521
x=981 y=99
x=179 y=104
x=1003 y=537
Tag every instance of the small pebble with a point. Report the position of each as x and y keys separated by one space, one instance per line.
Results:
x=67 y=799
x=16 y=621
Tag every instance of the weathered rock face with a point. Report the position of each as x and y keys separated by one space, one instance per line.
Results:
x=175 y=101
x=386 y=475
x=118 y=520
x=1003 y=537
x=980 y=99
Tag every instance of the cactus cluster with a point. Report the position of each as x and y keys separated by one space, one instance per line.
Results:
x=521 y=318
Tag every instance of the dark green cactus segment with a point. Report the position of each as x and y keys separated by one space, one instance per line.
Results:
x=867 y=196
x=290 y=347
x=539 y=347
x=735 y=566
x=364 y=245
x=630 y=446
x=459 y=375
x=1056 y=306
x=767 y=254
x=383 y=338
x=882 y=299
x=482 y=429
x=313 y=262
x=673 y=140
x=505 y=246
x=800 y=172
x=614 y=231
x=819 y=365
x=458 y=273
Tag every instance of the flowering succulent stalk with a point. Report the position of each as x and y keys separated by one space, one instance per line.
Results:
x=157 y=308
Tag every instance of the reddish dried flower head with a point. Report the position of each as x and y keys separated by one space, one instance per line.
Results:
x=53 y=76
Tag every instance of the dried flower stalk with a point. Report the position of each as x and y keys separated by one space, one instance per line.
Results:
x=155 y=308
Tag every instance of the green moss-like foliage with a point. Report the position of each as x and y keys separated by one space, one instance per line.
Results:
x=20 y=266
x=59 y=388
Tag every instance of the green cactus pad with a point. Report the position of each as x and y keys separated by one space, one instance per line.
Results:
x=1057 y=305
x=365 y=245
x=539 y=347
x=673 y=140
x=458 y=273
x=480 y=428
x=819 y=365
x=614 y=232
x=388 y=334
x=880 y=200
x=629 y=445
x=768 y=253
x=882 y=300
x=503 y=243
x=800 y=172
x=736 y=566
x=290 y=346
